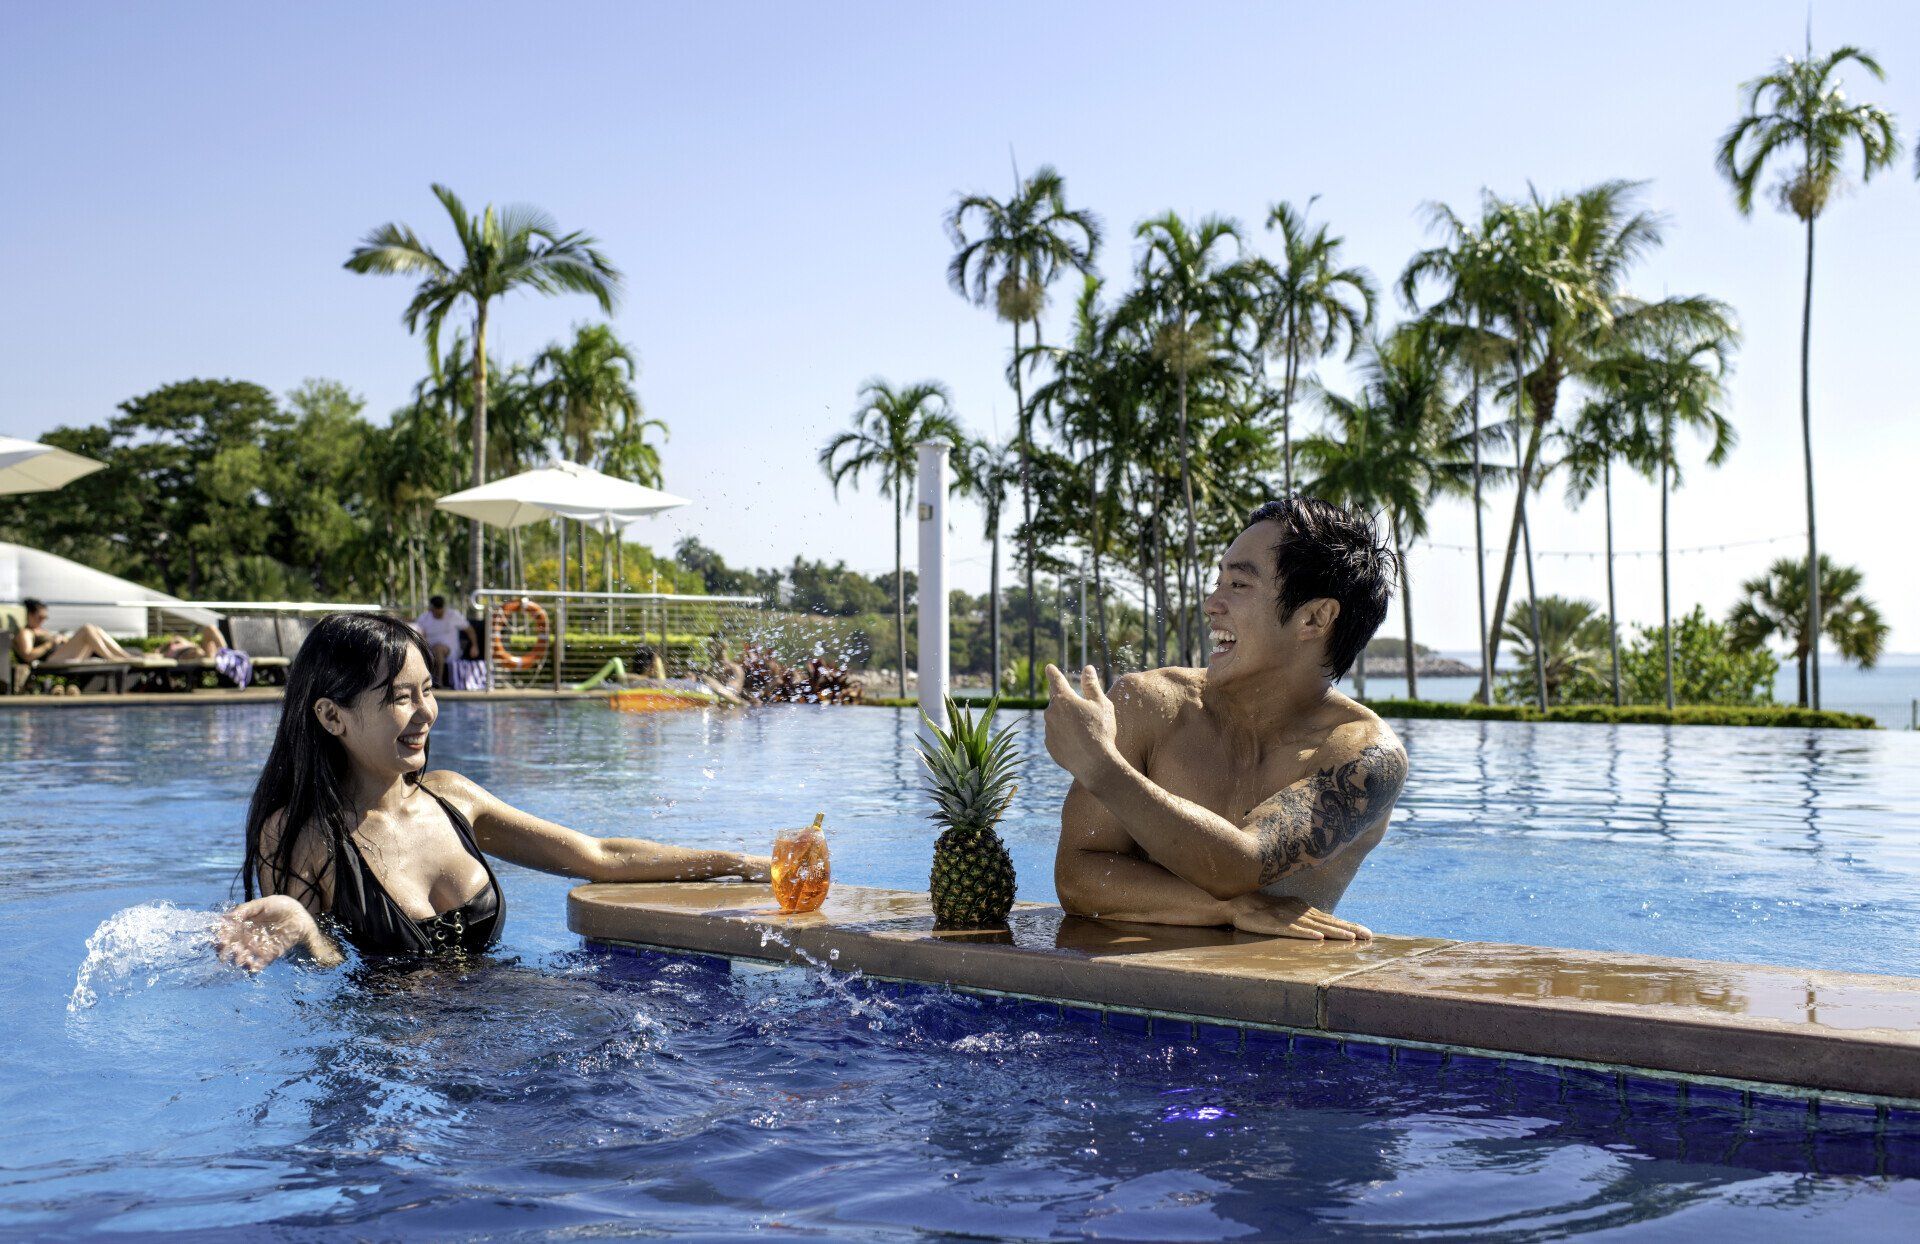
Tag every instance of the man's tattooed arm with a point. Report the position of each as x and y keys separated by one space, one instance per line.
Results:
x=1321 y=813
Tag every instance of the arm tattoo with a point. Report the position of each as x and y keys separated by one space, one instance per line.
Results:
x=1313 y=818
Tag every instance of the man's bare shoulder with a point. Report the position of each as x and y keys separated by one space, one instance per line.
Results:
x=1353 y=728
x=1148 y=702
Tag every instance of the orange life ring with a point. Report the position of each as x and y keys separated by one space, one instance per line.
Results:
x=504 y=656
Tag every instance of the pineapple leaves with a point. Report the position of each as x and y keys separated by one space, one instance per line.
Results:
x=970 y=770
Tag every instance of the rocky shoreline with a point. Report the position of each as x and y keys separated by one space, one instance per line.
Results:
x=1427 y=667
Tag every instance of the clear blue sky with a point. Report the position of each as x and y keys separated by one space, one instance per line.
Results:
x=182 y=183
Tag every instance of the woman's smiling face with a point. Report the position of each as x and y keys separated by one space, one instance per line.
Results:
x=385 y=729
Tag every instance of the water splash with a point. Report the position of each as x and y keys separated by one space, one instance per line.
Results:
x=139 y=947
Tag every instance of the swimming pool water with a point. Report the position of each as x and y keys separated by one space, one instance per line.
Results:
x=554 y=1088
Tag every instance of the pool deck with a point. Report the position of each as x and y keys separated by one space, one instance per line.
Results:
x=256 y=695
x=1840 y=1032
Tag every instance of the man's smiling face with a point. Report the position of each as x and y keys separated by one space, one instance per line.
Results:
x=1246 y=636
x=1243 y=610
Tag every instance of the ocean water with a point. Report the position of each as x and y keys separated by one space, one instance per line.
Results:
x=1887 y=692
x=552 y=1089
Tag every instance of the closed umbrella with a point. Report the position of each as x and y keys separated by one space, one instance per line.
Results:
x=29 y=466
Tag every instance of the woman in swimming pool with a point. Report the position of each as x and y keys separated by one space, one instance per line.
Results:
x=346 y=822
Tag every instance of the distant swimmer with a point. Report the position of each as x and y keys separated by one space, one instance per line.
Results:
x=348 y=832
x=1248 y=793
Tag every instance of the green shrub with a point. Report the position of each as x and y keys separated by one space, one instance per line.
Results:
x=1634 y=714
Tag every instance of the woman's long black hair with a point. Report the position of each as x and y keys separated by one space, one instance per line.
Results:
x=308 y=772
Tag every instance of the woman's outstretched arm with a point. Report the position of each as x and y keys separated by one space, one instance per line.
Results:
x=260 y=930
x=523 y=838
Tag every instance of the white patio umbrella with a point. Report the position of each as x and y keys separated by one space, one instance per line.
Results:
x=29 y=466
x=560 y=490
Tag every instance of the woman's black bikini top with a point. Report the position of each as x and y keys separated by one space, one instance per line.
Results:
x=374 y=923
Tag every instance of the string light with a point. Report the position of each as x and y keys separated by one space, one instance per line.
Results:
x=1597 y=554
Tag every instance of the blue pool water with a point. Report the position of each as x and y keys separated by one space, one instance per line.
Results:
x=553 y=1088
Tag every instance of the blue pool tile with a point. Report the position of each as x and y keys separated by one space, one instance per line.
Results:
x=1369 y=1052
x=1082 y=1014
x=1717 y=1100
x=1845 y=1112
x=1536 y=1087
x=1217 y=1034
x=1318 y=1049
x=1173 y=1029
x=1038 y=1013
x=1589 y=1084
x=1645 y=1089
x=1266 y=1041
x=1847 y=1152
x=1413 y=1056
x=1126 y=1021
x=1476 y=1067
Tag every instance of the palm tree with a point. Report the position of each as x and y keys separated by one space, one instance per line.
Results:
x=1604 y=431
x=1367 y=462
x=1775 y=605
x=1560 y=635
x=987 y=472
x=1669 y=382
x=1308 y=303
x=1399 y=448
x=1465 y=266
x=584 y=389
x=1020 y=245
x=1798 y=114
x=516 y=247
x=1193 y=287
x=888 y=429
x=1555 y=293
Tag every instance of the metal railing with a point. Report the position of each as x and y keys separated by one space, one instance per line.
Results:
x=558 y=640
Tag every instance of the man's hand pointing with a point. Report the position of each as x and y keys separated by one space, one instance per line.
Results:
x=1080 y=725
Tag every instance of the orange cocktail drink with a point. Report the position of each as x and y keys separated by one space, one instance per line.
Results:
x=802 y=870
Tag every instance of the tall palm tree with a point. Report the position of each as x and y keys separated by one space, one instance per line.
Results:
x=1606 y=431
x=1797 y=114
x=1465 y=267
x=1668 y=382
x=1193 y=289
x=988 y=472
x=516 y=247
x=1308 y=304
x=1366 y=461
x=1775 y=605
x=1010 y=251
x=585 y=388
x=887 y=431
x=1399 y=448
x=585 y=392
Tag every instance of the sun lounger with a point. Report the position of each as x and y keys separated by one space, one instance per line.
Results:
x=89 y=676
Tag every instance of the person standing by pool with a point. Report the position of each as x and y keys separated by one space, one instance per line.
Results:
x=346 y=823
x=449 y=637
x=1249 y=792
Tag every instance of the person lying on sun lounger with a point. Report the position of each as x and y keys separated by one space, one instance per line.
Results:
x=180 y=648
x=1247 y=793
x=33 y=642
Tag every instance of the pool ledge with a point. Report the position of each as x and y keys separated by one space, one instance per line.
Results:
x=1838 y=1031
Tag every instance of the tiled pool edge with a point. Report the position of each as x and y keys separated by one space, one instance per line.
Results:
x=1400 y=996
x=1749 y=1094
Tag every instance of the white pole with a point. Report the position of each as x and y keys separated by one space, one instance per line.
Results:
x=1083 y=613
x=935 y=680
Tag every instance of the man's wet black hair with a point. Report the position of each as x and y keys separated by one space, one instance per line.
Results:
x=435 y=602
x=1327 y=551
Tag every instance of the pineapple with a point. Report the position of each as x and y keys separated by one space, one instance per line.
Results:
x=970 y=776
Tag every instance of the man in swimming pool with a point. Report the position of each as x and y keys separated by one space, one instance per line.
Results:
x=1245 y=794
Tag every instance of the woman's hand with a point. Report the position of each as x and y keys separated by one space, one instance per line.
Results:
x=1292 y=917
x=254 y=934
